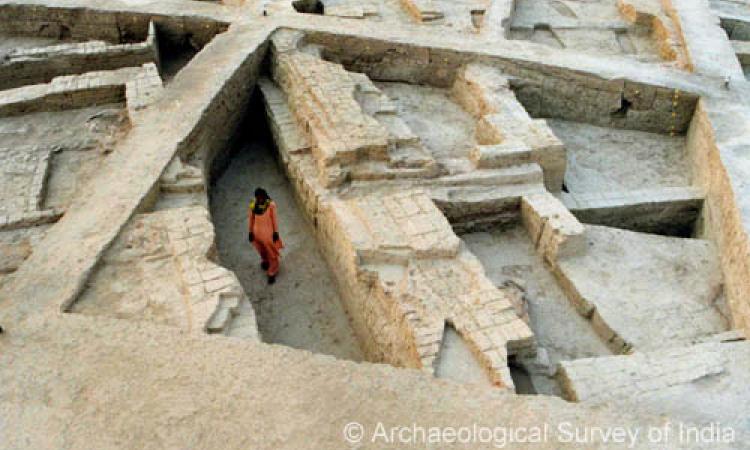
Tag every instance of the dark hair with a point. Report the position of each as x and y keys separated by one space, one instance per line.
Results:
x=260 y=192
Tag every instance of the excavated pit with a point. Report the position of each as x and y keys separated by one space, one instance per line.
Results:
x=36 y=60
x=174 y=55
x=308 y=7
x=302 y=309
x=510 y=261
x=620 y=309
x=40 y=180
x=595 y=27
x=631 y=179
x=72 y=165
x=608 y=159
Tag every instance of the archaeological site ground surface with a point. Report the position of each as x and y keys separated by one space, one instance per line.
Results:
x=507 y=224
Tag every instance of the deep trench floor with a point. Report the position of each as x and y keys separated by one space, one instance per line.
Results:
x=561 y=333
x=302 y=309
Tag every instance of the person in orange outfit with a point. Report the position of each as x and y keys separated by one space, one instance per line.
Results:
x=263 y=232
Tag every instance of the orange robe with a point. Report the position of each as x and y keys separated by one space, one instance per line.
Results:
x=263 y=226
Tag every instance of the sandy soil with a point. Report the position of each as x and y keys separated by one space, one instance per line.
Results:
x=559 y=329
x=608 y=159
x=302 y=310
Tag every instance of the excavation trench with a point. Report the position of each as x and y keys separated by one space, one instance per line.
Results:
x=302 y=309
x=606 y=159
x=510 y=261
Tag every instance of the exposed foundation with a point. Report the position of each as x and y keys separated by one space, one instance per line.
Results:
x=641 y=30
x=561 y=333
x=488 y=207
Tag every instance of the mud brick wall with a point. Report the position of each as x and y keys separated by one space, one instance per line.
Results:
x=399 y=288
x=670 y=211
x=190 y=290
x=543 y=91
x=138 y=85
x=553 y=230
x=723 y=219
x=41 y=65
x=366 y=302
x=226 y=112
x=505 y=132
x=321 y=96
x=64 y=93
x=636 y=375
x=83 y=24
x=383 y=332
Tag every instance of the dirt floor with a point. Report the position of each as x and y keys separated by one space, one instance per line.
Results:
x=302 y=310
x=507 y=255
x=653 y=291
x=444 y=128
x=68 y=146
x=90 y=135
x=608 y=159
x=16 y=246
x=457 y=363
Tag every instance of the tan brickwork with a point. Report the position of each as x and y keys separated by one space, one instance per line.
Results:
x=322 y=98
x=41 y=64
x=180 y=242
x=422 y=10
x=419 y=278
x=553 y=230
x=658 y=16
x=505 y=132
x=139 y=86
